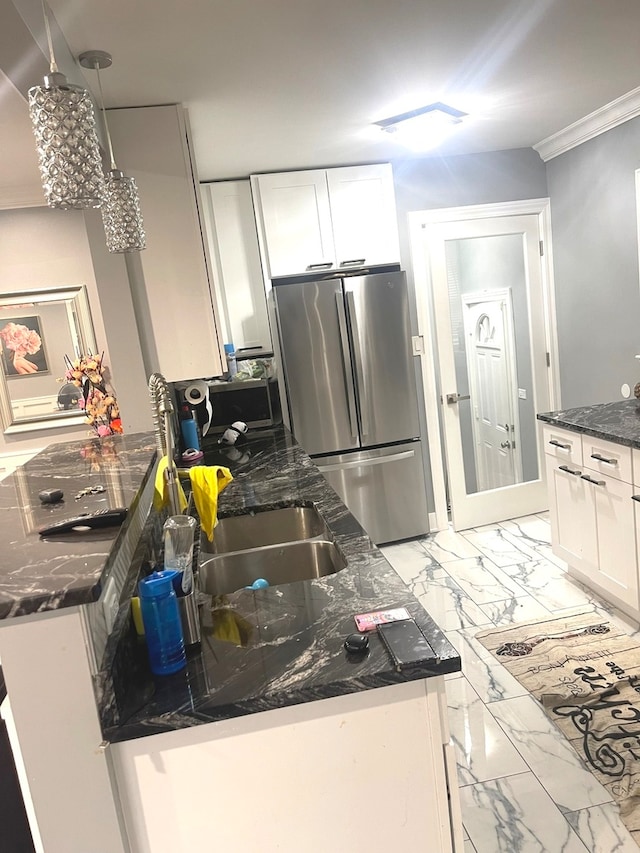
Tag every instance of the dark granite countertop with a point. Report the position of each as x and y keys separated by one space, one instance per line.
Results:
x=38 y=574
x=282 y=645
x=618 y=421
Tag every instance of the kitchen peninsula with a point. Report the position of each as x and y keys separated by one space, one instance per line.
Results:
x=592 y=458
x=271 y=728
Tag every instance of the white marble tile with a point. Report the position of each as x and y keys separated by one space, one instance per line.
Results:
x=410 y=560
x=549 y=755
x=534 y=533
x=488 y=677
x=549 y=585
x=482 y=580
x=448 y=545
x=468 y=846
x=521 y=609
x=516 y=815
x=483 y=751
x=446 y=602
x=602 y=830
x=495 y=543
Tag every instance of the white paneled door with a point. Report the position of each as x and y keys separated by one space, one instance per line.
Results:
x=492 y=364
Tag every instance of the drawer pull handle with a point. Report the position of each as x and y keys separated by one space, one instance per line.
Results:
x=560 y=444
x=635 y=498
x=604 y=459
x=569 y=471
x=323 y=266
x=594 y=482
x=356 y=262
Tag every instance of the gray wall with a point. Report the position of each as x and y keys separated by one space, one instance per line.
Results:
x=595 y=252
x=436 y=182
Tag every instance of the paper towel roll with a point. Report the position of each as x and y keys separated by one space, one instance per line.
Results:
x=196 y=393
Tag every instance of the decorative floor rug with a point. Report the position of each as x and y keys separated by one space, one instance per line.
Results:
x=586 y=674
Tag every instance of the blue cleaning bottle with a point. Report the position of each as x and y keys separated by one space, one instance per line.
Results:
x=162 y=625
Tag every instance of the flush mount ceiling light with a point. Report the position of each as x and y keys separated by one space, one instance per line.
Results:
x=67 y=144
x=121 y=215
x=423 y=128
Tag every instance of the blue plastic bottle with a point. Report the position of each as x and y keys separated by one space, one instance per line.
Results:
x=162 y=626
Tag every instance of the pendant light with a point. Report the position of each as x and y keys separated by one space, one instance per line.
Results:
x=65 y=130
x=121 y=215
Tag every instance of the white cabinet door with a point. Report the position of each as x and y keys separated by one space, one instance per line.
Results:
x=238 y=278
x=170 y=278
x=617 y=566
x=297 y=222
x=363 y=213
x=573 y=515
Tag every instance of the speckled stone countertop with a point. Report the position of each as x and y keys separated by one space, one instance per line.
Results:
x=619 y=421
x=38 y=574
x=282 y=645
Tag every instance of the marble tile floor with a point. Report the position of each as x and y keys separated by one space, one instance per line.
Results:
x=523 y=789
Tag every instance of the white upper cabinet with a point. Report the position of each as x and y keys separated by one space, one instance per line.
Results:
x=326 y=219
x=363 y=212
x=170 y=279
x=237 y=271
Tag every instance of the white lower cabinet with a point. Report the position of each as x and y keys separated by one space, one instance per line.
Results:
x=338 y=774
x=595 y=523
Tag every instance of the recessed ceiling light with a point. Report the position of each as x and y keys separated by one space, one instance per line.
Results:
x=423 y=128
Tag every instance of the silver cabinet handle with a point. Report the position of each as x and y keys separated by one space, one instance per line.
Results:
x=560 y=445
x=346 y=373
x=604 y=459
x=455 y=398
x=635 y=497
x=356 y=262
x=368 y=463
x=325 y=265
x=569 y=471
x=593 y=482
x=357 y=357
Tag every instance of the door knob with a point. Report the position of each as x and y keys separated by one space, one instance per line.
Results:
x=455 y=398
x=505 y=444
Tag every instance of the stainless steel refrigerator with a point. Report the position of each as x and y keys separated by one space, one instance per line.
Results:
x=350 y=381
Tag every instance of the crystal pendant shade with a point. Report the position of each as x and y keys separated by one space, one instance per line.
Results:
x=121 y=216
x=68 y=151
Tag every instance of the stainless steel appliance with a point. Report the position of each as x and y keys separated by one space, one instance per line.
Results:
x=349 y=374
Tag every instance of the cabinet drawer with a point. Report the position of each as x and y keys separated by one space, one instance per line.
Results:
x=563 y=445
x=635 y=457
x=606 y=457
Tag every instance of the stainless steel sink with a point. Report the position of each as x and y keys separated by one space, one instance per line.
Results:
x=271 y=527
x=277 y=564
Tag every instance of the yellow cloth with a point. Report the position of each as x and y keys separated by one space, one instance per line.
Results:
x=207 y=481
x=161 y=490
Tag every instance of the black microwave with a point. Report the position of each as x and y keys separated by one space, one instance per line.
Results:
x=256 y=402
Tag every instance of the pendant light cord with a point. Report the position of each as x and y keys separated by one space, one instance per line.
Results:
x=52 y=60
x=104 y=116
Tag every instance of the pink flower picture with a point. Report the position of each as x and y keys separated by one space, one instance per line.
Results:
x=22 y=347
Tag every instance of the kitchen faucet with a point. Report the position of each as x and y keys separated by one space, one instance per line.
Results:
x=162 y=409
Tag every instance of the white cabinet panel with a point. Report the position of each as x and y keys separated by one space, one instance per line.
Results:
x=572 y=510
x=617 y=566
x=564 y=446
x=238 y=278
x=297 y=221
x=170 y=278
x=327 y=219
x=363 y=213
x=606 y=457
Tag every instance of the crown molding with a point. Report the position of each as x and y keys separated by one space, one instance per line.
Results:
x=22 y=196
x=605 y=118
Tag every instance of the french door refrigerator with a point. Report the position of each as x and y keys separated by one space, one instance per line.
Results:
x=349 y=374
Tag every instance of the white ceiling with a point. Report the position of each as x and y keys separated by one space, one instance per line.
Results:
x=282 y=84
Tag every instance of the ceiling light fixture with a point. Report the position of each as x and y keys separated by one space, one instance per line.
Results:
x=121 y=214
x=67 y=144
x=423 y=128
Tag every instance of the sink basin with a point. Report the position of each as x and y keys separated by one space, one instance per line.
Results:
x=285 y=563
x=271 y=527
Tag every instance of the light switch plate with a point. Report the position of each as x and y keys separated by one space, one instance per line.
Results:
x=522 y=393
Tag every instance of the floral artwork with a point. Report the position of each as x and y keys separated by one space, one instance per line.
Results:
x=98 y=401
x=22 y=348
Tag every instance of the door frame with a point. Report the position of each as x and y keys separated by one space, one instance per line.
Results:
x=418 y=222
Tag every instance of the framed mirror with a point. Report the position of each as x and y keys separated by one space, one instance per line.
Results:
x=38 y=328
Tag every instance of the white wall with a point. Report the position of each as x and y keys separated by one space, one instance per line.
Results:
x=42 y=248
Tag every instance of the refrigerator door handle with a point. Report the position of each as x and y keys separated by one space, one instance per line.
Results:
x=367 y=463
x=348 y=384
x=357 y=357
